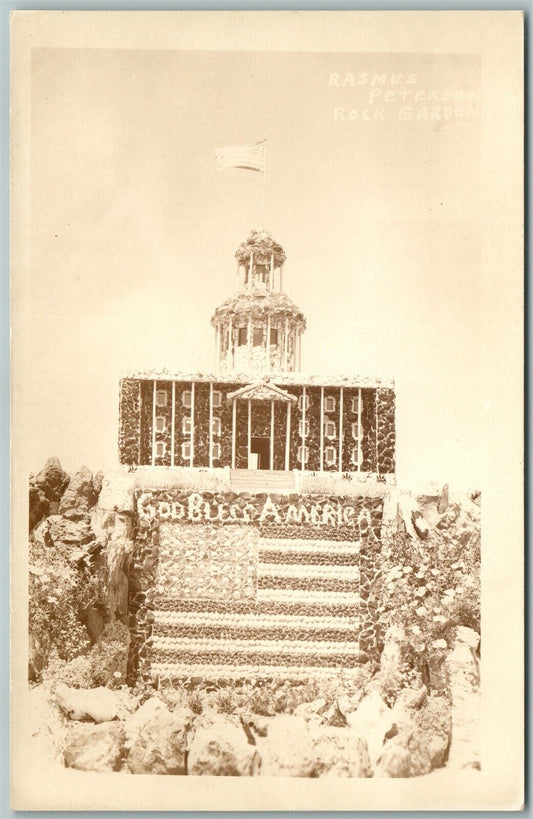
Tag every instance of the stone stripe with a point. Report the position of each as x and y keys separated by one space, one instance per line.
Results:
x=306 y=584
x=194 y=618
x=243 y=658
x=253 y=633
x=268 y=603
x=346 y=574
x=308 y=598
x=297 y=648
x=295 y=545
x=308 y=558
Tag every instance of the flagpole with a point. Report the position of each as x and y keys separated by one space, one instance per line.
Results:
x=263 y=190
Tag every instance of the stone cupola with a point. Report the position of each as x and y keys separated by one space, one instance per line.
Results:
x=259 y=329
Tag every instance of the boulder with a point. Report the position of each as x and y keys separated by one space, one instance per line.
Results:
x=41 y=534
x=161 y=744
x=257 y=723
x=420 y=736
x=372 y=720
x=97 y=485
x=420 y=525
x=314 y=751
x=52 y=480
x=78 y=496
x=462 y=666
x=116 y=493
x=96 y=704
x=114 y=531
x=95 y=747
x=147 y=711
x=395 y=762
x=39 y=506
x=392 y=661
x=222 y=749
x=69 y=532
x=95 y=623
x=444 y=499
x=283 y=725
x=48 y=726
x=310 y=709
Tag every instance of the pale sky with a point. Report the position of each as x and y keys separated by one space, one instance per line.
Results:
x=383 y=220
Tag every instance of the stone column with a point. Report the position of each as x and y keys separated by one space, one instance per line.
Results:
x=210 y=425
x=268 y=344
x=304 y=411
x=272 y=434
x=341 y=397
x=288 y=437
x=321 y=429
x=153 y=420
x=173 y=424
x=249 y=429
x=233 y=432
x=192 y=425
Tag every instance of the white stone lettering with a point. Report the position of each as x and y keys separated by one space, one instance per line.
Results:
x=195 y=506
x=269 y=511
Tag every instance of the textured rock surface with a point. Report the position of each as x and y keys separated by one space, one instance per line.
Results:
x=97 y=704
x=48 y=725
x=113 y=525
x=373 y=720
x=116 y=494
x=69 y=532
x=52 y=480
x=420 y=738
x=129 y=436
x=295 y=747
x=147 y=711
x=95 y=747
x=392 y=660
x=39 y=505
x=222 y=749
x=80 y=494
x=463 y=672
x=160 y=744
x=385 y=431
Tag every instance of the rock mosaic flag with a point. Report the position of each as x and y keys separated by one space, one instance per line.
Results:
x=249 y=157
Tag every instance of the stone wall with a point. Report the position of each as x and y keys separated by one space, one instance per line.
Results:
x=375 y=419
x=368 y=422
x=163 y=430
x=129 y=435
x=386 y=431
x=312 y=441
x=146 y=421
x=201 y=424
x=227 y=585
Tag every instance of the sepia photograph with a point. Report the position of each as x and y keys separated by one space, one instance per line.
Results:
x=267 y=402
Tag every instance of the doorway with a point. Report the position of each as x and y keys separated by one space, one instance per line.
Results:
x=261 y=448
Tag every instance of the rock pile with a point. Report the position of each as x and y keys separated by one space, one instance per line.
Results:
x=109 y=731
x=81 y=526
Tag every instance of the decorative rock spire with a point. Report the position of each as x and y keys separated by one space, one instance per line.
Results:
x=259 y=329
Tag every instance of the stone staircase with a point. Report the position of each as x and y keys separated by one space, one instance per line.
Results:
x=255 y=481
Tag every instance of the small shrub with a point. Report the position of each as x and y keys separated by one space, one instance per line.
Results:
x=173 y=697
x=226 y=701
x=430 y=588
x=195 y=701
x=57 y=597
x=109 y=656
